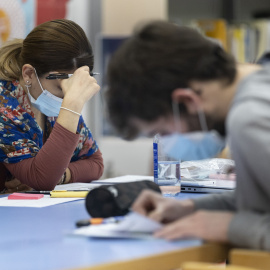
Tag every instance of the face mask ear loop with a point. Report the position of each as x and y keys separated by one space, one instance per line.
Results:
x=39 y=81
x=27 y=87
x=202 y=120
x=176 y=116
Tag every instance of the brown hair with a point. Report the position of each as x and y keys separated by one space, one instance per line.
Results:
x=157 y=59
x=51 y=46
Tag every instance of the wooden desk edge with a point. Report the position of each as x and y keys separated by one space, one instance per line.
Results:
x=208 y=252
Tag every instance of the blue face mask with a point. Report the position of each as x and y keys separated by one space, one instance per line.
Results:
x=47 y=103
x=193 y=146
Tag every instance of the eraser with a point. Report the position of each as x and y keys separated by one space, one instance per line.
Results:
x=24 y=196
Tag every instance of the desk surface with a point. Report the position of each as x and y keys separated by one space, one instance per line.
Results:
x=37 y=238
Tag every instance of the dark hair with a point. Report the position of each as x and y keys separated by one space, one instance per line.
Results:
x=53 y=45
x=159 y=58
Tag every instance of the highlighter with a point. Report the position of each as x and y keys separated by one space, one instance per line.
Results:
x=68 y=194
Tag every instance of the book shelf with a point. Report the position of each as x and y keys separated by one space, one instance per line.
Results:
x=246 y=23
x=233 y=11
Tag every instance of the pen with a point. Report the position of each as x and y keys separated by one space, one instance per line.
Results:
x=49 y=192
x=97 y=221
x=54 y=76
x=36 y=192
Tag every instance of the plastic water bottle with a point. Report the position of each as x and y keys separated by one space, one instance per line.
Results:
x=166 y=169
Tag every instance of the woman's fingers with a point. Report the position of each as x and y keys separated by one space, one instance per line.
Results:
x=15 y=185
x=12 y=183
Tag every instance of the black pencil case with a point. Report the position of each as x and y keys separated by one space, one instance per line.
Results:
x=115 y=200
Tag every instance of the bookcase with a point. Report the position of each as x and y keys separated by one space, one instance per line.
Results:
x=233 y=11
x=246 y=23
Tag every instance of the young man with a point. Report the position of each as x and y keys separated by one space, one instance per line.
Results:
x=163 y=63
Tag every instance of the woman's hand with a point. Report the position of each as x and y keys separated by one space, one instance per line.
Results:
x=15 y=185
x=79 y=88
x=161 y=209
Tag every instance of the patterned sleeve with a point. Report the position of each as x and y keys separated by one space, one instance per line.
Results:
x=87 y=146
x=20 y=135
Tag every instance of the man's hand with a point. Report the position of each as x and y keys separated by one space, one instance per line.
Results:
x=15 y=185
x=161 y=209
x=207 y=225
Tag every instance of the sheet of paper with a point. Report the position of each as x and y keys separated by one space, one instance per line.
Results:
x=43 y=202
x=77 y=186
x=97 y=183
x=133 y=225
x=125 y=178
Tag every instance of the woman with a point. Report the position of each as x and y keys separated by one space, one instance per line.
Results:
x=43 y=138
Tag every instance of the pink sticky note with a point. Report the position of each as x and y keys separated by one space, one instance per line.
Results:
x=24 y=196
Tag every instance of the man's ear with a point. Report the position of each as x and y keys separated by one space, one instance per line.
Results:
x=188 y=97
x=28 y=73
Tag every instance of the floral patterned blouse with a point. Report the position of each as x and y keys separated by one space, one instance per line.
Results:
x=20 y=135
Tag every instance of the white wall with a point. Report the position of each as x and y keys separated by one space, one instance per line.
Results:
x=78 y=11
x=123 y=157
x=120 y=16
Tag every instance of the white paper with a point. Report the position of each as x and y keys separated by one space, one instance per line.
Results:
x=133 y=225
x=125 y=178
x=97 y=183
x=77 y=186
x=43 y=202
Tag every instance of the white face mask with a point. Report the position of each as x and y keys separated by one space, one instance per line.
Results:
x=47 y=103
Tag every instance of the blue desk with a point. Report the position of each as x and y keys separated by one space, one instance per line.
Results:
x=37 y=238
